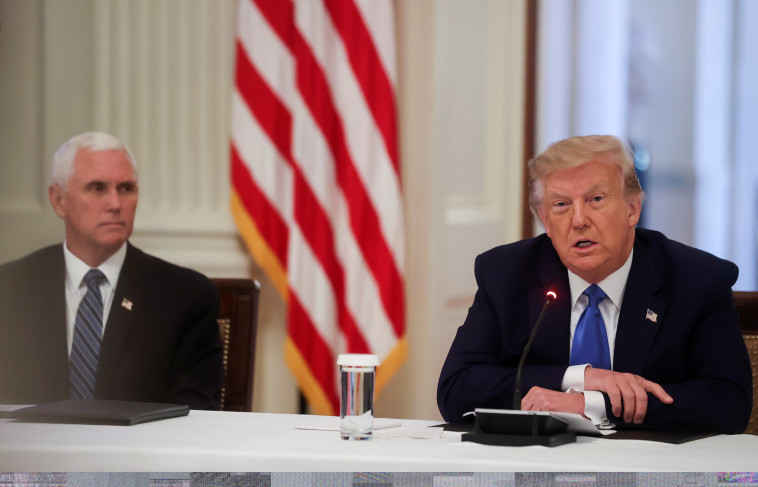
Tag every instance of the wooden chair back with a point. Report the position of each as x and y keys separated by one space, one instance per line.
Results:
x=747 y=307
x=238 y=324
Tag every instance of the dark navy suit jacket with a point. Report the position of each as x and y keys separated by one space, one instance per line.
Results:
x=166 y=348
x=693 y=348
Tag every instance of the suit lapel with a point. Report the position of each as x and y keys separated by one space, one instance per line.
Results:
x=553 y=338
x=128 y=303
x=53 y=337
x=637 y=327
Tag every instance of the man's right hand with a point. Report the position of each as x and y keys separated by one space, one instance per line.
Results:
x=627 y=392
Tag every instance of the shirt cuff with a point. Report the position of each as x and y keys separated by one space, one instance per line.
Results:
x=594 y=408
x=573 y=378
x=594 y=401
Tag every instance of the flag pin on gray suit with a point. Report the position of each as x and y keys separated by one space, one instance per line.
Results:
x=128 y=304
x=651 y=315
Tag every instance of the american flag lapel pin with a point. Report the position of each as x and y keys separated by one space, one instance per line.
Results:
x=128 y=304
x=651 y=315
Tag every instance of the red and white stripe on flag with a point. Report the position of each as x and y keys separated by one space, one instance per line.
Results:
x=316 y=179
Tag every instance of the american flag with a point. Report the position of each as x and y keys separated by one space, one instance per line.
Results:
x=651 y=315
x=316 y=179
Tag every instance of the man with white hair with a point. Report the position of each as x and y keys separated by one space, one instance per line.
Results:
x=643 y=332
x=95 y=317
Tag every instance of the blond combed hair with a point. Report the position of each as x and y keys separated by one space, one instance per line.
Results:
x=575 y=151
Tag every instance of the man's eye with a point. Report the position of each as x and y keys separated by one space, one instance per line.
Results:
x=97 y=187
x=127 y=188
x=598 y=198
x=560 y=204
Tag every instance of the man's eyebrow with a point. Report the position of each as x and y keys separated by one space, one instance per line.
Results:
x=98 y=182
x=597 y=187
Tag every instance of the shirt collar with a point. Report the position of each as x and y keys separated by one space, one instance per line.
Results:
x=613 y=286
x=76 y=268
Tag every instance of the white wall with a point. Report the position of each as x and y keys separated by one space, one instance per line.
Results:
x=158 y=75
x=460 y=104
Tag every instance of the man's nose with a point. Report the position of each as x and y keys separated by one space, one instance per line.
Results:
x=113 y=199
x=579 y=217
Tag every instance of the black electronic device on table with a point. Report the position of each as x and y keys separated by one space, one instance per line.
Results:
x=508 y=427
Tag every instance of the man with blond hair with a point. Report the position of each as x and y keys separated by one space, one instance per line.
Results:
x=643 y=333
x=95 y=317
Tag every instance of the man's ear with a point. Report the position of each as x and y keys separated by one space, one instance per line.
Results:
x=57 y=199
x=634 y=208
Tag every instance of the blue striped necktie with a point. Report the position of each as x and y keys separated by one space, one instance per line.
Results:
x=88 y=332
x=590 y=345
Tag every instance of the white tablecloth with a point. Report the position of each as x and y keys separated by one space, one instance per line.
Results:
x=226 y=441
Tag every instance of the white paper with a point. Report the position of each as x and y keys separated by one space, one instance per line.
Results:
x=333 y=425
x=576 y=422
x=427 y=433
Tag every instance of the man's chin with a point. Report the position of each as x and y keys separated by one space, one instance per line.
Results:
x=115 y=227
x=587 y=268
x=113 y=241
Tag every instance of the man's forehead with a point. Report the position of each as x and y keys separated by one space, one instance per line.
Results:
x=558 y=189
x=112 y=165
x=592 y=172
x=86 y=154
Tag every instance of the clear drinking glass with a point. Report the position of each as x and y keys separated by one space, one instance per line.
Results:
x=357 y=377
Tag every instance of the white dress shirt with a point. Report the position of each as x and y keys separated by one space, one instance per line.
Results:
x=613 y=286
x=76 y=288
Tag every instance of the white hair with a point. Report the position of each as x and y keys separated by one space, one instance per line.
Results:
x=63 y=160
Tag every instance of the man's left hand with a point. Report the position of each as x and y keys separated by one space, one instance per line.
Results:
x=627 y=392
x=541 y=399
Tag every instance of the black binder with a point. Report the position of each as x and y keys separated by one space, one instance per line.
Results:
x=99 y=411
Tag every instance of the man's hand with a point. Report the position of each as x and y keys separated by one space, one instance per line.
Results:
x=541 y=399
x=627 y=392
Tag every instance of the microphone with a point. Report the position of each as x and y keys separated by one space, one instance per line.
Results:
x=551 y=296
x=513 y=427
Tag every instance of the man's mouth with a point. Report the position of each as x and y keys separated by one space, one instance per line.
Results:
x=583 y=244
